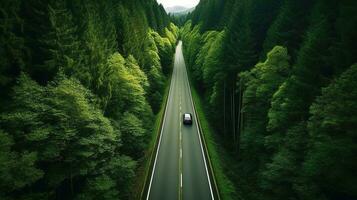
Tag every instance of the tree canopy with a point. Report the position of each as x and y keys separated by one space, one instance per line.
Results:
x=82 y=81
x=273 y=75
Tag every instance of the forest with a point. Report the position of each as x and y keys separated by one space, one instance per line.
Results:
x=80 y=85
x=279 y=83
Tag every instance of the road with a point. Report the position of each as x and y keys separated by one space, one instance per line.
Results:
x=180 y=170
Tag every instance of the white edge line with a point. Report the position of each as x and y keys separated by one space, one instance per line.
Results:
x=158 y=148
x=198 y=132
x=204 y=159
x=181 y=181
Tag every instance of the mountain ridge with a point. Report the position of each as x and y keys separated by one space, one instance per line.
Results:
x=177 y=9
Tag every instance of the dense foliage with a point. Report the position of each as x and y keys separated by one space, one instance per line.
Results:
x=279 y=81
x=80 y=82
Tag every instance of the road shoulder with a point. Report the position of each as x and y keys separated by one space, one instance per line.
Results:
x=225 y=186
x=140 y=184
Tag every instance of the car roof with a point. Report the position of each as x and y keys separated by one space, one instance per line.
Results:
x=187 y=115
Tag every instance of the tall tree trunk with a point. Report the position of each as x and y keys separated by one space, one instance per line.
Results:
x=239 y=116
x=224 y=109
x=233 y=117
x=241 y=121
x=71 y=181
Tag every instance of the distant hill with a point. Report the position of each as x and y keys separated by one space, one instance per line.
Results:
x=175 y=9
x=178 y=10
x=184 y=12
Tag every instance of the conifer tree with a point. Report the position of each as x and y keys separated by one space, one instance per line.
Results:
x=330 y=161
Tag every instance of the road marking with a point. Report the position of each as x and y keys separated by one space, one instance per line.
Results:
x=199 y=136
x=180 y=105
x=162 y=129
x=161 y=133
x=180 y=159
x=181 y=181
x=180 y=138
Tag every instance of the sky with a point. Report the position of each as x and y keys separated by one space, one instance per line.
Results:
x=185 y=3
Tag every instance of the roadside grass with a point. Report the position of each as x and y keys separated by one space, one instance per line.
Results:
x=217 y=154
x=143 y=171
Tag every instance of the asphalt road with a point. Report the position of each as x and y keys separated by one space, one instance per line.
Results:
x=179 y=170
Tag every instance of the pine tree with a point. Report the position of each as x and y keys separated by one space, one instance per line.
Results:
x=78 y=117
x=260 y=83
x=288 y=27
x=268 y=114
x=62 y=41
x=18 y=169
x=330 y=161
x=12 y=48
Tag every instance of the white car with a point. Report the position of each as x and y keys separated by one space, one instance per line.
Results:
x=187 y=118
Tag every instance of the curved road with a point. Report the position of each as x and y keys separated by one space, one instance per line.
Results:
x=179 y=170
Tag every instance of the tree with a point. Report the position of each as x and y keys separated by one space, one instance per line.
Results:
x=330 y=159
x=288 y=27
x=134 y=69
x=133 y=134
x=69 y=135
x=165 y=50
x=197 y=69
x=266 y=112
x=127 y=92
x=78 y=116
x=153 y=69
x=62 y=41
x=13 y=49
x=18 y=169
x=260 y=84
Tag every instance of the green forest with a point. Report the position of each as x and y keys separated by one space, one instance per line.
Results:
x=279 y=83
x=80 y=85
